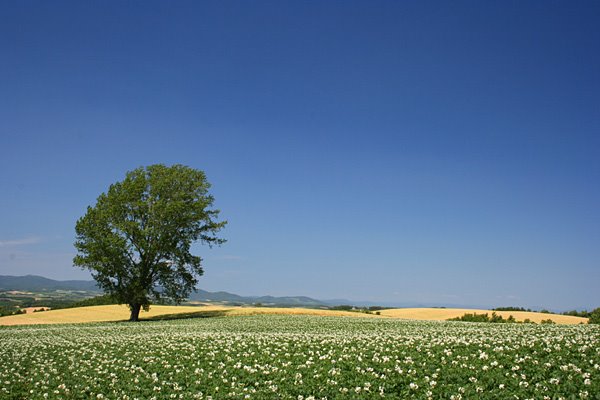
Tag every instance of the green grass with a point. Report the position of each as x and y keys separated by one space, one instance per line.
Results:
x=299 y=357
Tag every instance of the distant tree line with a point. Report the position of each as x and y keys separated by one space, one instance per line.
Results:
x=494 y=318
x=366 y=310
x=594 y=315
x=10 y=310
x=512 y=309
x=92 y=301
x=8 y=307
x=26 y=301
x=575 y=313
x=542 y=311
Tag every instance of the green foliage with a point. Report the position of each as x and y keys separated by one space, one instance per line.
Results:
x=512 y=309
x=343 y=307
x=474 y=317
x=6 y=302
x=46 y=298
x=10 y=310
x=94 y=301
x=575 y=313
x=24 y=301
x=377 y=308
x=136 y=240
x=494 y=318
x=595 y=316
x=547 y=322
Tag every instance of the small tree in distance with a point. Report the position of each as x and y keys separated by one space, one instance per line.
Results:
x=136 y=240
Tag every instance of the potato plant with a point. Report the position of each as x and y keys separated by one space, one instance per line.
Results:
x=300 y=358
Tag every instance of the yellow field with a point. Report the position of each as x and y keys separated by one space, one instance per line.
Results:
x=295 y=311
x=439 y=314
x=121 y=313
x=88 y=314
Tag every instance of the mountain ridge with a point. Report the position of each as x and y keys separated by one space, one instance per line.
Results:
x=36 y=282
x=40 y=283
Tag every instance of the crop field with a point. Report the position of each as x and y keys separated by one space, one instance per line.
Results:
x=90 y=314
x=442 y=314
x=299 y=357
x=110 y=313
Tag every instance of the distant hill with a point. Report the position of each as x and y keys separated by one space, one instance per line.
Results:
x=203 y=295
x=34 y=283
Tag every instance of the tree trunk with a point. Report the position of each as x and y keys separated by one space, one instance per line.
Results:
x=135 y=312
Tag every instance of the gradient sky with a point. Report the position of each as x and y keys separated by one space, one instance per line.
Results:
x=414 y=151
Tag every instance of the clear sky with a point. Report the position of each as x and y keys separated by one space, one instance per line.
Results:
x=392 y=151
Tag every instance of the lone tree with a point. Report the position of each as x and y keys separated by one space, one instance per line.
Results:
x=136 y=240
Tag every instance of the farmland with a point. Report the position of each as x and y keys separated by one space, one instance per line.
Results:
x=107 y=313
x=440 y=314
x=299 y=357
x=110 y=313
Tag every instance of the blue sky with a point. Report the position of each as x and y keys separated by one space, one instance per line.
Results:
x=428 y=152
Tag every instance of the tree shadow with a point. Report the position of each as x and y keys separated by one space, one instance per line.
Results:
x=188 y=315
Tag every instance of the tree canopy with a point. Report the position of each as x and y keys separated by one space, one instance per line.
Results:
x=137 y=239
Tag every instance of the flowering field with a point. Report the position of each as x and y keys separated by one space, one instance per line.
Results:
x=299 y=357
